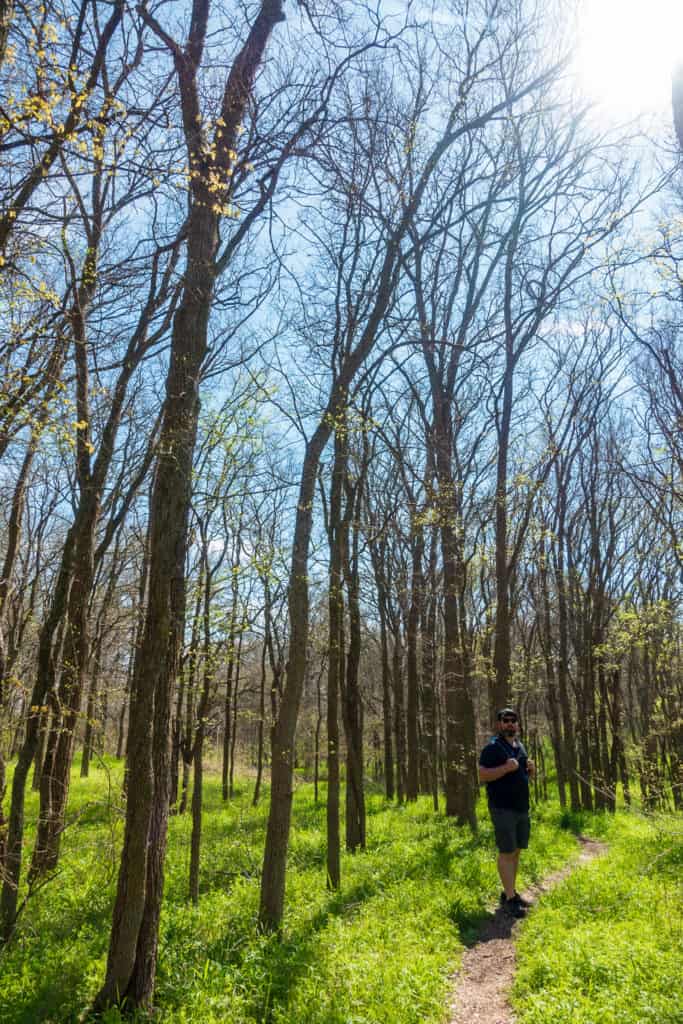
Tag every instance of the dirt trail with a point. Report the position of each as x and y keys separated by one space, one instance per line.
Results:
x=482 y=985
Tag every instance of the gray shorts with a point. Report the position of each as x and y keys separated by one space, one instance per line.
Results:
x=512 y=829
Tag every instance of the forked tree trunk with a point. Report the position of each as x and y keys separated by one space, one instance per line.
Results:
x=131 y=964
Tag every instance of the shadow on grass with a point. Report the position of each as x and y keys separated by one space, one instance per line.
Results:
x=285 y=960
x=52 y=979
x=48 y=1002
x=486 y=926
x=582 y=822
x=52 y=961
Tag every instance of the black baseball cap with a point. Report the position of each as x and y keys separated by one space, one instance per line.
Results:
x=505 y=711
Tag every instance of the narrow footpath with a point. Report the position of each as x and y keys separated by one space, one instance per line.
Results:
x=483 y=983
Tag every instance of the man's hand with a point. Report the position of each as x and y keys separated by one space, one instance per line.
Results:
x=531 y=768
x=512 y=764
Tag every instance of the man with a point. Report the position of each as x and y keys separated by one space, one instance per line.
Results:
x=506 y=769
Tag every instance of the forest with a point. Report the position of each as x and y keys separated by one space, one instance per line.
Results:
x=341 y=406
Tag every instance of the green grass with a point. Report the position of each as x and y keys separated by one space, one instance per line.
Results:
x=603 y=947
x=606 y=947
x=380 y=951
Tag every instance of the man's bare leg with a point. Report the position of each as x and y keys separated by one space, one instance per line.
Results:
x=507 y=869
x=517 y=853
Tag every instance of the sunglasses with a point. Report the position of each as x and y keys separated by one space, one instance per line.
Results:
x=509 y=718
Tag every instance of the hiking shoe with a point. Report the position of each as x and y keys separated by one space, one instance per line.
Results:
x=517 y=898
x=513 y=908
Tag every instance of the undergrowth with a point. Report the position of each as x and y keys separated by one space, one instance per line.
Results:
x=606 y=946
x=379 y=951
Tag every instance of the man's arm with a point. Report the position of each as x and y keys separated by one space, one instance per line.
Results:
x=491 y=774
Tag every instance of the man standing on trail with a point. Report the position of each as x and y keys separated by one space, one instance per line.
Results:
x=506 y=769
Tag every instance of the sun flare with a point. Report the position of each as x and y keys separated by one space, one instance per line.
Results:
x=626 y=53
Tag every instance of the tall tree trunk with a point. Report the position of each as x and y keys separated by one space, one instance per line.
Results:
x=460 y=726
x=12 y=540
x=553 y=705
x=461 y=789
x=412 y=633
x=351 y=695
x=399 y=711
x=100 y=630
x=429 y=696
x=318 y=728
x=188 y=685
x=138 y=631
x=91 y=477
x=197 y=787
x=6 y=16
x=198 y=744
x=90 y=711
x=235 y=706
x=229 y=676
x=570 y=760
x=262 y=709
x=284 y=727
x=29 y=747
x=277 y=835
x=335 y=665
x=131 y=964
x=227 y=727
x=499 y=695
x=377 y=553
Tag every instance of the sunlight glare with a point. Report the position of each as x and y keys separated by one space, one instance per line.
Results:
x=627 y=50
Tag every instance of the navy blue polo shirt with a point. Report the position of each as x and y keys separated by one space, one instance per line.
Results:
x=511 y=791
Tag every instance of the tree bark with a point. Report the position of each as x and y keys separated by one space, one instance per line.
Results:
x=284 y=728
x=351 y=695
x=131 y=964
x=429 y=694
x=335 y=665
x=412 y=633
x=378 y=554
x=399 y=711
